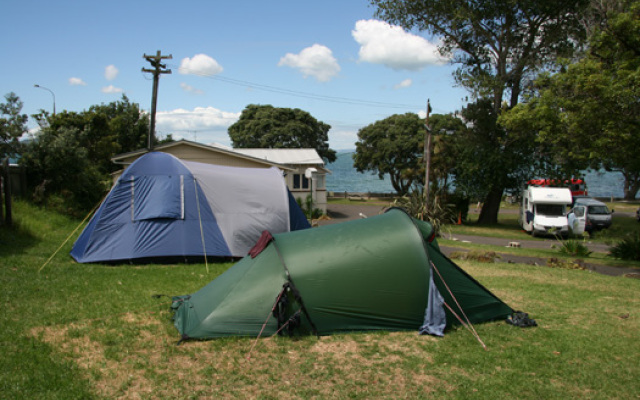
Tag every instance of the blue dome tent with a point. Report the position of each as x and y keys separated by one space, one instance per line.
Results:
x=166 y=209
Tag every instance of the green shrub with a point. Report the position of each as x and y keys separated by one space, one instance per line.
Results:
x=437 y=214
x=628 y=248
x=307 y=208
x=574 y=248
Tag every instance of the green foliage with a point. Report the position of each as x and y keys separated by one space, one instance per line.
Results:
x=307 y=207
x=70 y=157
x=490 y=158
x=588 y=114
x=499 y=47
x=573 y=248
x=265 y=126
x=392 y=146
x=61 y=167
x=628 y=248
x=437 y=213
x=444 y=152
x=12 y=125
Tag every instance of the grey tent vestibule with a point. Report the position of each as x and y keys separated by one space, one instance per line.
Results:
x=166 y=209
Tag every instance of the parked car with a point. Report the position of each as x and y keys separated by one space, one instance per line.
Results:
x=596 y=214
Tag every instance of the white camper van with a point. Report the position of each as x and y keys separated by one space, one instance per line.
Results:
x=544 y=210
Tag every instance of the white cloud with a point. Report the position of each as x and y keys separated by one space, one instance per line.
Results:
x=200 y=64
x=111 y=72
x=392 y=46
x=316 y=61
x=111 y=89
x=73 y=81
x=201 y=118
x=404 y=84
x=190 y=89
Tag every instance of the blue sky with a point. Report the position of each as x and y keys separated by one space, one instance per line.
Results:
x=331 y=58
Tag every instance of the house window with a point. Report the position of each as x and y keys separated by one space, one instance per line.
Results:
x=300 y=181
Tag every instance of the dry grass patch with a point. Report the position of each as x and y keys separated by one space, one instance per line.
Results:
x=148 y=364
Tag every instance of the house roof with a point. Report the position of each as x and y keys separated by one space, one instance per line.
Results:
x=218 y=148
x=285 y=156
x=284 y=159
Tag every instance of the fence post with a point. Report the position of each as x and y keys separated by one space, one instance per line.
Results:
x=7 y=191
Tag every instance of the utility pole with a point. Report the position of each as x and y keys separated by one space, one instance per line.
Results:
x=158 y=69
x=427 y=156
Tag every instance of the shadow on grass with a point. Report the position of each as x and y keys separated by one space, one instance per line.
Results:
x=15 y=239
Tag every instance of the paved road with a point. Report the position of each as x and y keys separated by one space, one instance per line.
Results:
x=345 y=212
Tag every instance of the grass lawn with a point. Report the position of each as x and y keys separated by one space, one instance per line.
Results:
x=74 y=331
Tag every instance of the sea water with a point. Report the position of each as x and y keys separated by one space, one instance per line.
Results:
x=345 y=178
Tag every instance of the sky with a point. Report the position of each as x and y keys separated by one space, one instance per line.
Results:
x=331 y=58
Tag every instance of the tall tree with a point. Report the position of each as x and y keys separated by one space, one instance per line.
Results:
x=500 y=46
x=12 y=125
x=265 y=126
x=392 y=146
x=103 y=130
x=588 y=115
x=446 y=129
x=485 y=151
x=71 y=154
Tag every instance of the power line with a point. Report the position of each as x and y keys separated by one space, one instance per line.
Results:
x=295 y=93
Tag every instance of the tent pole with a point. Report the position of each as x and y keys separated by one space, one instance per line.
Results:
x=473 y=331
x=204 y=247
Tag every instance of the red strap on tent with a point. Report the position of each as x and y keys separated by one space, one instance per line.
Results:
x=261 y=244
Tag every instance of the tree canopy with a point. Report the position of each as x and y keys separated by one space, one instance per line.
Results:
x=12 y=125
x=500 y=46
x=392 y=146
x=265 y=126
x=71 y=154
x=588 y=115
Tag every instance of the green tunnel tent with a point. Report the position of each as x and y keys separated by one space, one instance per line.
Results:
x=380 y=273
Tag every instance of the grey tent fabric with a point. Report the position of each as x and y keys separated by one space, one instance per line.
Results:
x=435 y=318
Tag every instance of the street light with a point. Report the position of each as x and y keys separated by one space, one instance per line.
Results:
x=52 y=94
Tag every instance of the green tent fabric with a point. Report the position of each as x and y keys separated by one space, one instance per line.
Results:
x=361 y=275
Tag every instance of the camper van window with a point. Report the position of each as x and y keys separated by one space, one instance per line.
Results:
x=550 y=210
x=300 y=181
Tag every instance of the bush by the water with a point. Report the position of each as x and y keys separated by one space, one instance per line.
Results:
x=628 y=248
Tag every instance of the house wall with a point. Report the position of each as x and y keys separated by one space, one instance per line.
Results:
x=300 y=190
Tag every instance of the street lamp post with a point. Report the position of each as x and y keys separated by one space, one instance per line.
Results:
x=52 y=94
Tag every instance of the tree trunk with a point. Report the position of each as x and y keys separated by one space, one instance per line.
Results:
x=631 y=189
x=491 y=206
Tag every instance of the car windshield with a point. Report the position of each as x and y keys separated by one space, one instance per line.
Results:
x=598 y=210
x=550 y=210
